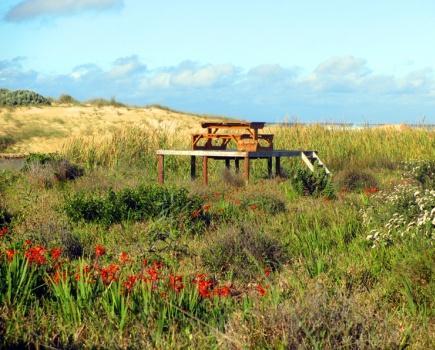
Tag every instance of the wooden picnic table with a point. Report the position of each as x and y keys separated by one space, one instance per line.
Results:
x=247 y=139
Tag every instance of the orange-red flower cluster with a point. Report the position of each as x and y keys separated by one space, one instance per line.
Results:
x=36 y=255
x=10 y=253
x=370 y=190
x=99 y=250
x=55 y=253
x=3 y=231
x=130 y=282
x=124 y=258
x=261 y=290
x=176 y=282
x=109 y=273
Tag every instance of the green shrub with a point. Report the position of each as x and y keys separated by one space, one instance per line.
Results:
x=6 y=141
x=243 y=253
x=5 y=217
x=21 y=98
x=356 y=180
x=423 y=172
x=67 y=99
x=266 y=202
x=143 y=202
x=314 y=183
x=46 y=169
x=101 y=102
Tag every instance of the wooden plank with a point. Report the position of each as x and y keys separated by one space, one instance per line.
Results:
x=232 y=154
x=192 y=168
x=307 y=161
x=233 y=125
x=161 y=169
x=205 y=170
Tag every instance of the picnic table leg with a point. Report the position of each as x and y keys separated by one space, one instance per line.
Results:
x=237 y=165
x=205 y=170
x=227 y=163
x=192 y=168
x=278 y=166
x=161 y=169
x=246 y=169
x=269 y=167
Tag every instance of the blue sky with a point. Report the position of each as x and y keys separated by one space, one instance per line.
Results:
x=336 y=60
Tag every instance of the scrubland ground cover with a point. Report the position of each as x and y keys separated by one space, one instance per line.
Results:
x=93 y=253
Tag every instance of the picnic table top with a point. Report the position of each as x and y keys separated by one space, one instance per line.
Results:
x=233 y=125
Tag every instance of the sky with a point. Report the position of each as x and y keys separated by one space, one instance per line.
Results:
x=329 y=61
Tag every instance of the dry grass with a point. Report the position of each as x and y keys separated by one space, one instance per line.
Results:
x=46 y=129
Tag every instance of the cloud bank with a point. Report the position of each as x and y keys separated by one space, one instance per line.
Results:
x=338 y=89
x=30 y=9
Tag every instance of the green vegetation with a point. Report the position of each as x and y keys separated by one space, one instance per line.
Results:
x=15 y=98
x=101 y=102
x=305 y=261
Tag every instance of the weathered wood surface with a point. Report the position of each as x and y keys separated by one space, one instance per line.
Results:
x=234 y=154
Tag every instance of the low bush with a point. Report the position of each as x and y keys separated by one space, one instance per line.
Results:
x=265 y=202
x=21 y=98
x=317 y=319
x=422 y=171
x=67 y=99
x=356 y=180
x=143 y=202
x=314 y=183
x=6 y=141
x=102 y=102
x=243 y=253
x=5 y=217
x=47 y=169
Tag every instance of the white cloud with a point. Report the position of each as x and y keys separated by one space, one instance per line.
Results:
x=339 y=87
x=29 y=9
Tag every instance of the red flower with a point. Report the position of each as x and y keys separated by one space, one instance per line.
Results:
x=204 y=285
x=27 y=242
x=130 y=282
x=59 y=276
x=223 y=291
x=99 y=250
x=123 y=257
x=176 y=283
x=10 y=253
x=267 y=271
x=109 y=273
x=3 y=231
x=206 y=207
x=56 y=253
x=85 y=271
x=36 y=255
x=261 y=290
x=370 y=190
x=253 y=206
x=196 y=213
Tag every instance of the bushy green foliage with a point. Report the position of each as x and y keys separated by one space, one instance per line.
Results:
x=48 y=168
x=314 y=183
x=266 y=202
x=5 y=217
x=21 y=98
x=101 y=102
x=135 y=204
x=356 y=180
x=422 y=171
x=6 y=141
x=243 y=252
x=67 y=99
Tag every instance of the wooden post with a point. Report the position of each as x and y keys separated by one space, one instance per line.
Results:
x=269 y=167
x=246 y=169
x=237 y=165
x=161 y=168
x=205 y=170
x=278 y=166
x=227 y=163
x=192 y=168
